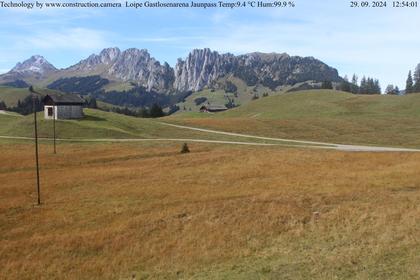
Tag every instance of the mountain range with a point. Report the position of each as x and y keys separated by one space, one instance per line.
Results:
x=200 y=69
x=113 y=70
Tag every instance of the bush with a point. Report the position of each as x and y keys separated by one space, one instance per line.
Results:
x=185 y=149
x=156 y=111
x=91 y=102
x=327 y=85
x=200 y=100
x=173 y=109
x=25 y=106
x=230 y=87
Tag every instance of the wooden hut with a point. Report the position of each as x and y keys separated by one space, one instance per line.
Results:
x=64 y=107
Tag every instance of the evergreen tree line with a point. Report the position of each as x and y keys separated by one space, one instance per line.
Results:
x=3 y=105
x=367 y=85
x=79 y=85
x=391 y=89
x=155 y=111
x=413 y=81
x=25 y=106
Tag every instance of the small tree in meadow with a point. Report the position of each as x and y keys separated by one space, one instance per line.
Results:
x=185 y=149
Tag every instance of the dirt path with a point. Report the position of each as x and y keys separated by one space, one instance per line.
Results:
x=347 y=148
x=147 y=140
x=305 y=144
x=286 y=142
x=3 y=112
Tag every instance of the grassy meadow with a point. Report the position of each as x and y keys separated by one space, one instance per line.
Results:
x=321 y=115
x=112 y=211
x=106 y=125
x=219 y=96
x=143 y=210
x=11 y=95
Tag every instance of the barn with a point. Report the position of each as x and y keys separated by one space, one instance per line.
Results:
x=213 y=108
x=69 y=106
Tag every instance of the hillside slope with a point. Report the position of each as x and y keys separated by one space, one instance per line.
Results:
x=102 y=125
x=11 y=95
x=321 y=115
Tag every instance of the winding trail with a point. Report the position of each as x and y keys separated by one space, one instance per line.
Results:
x=286 y=142
x=2 y=112
x=305 y=144
x=144 y=140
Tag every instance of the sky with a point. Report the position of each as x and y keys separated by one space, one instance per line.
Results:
x=382 y=43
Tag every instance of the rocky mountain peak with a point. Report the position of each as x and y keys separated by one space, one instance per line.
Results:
x=134 y=65
x=35 y=64
x=201 y=68
x=108 y=55
x=94 y=61
x=265 y=57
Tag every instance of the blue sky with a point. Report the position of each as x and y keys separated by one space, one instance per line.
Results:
x=382 y=43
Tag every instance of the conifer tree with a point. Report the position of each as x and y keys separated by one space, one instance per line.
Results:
x=354 y=84
x=345 y=85
x=3 y=105
x=376 y=87
x=363 y=86
x=416 y=77
x=409 y=83
x=390 y=89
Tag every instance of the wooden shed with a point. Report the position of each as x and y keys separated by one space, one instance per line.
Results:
x=69 y=106
x=213 y=108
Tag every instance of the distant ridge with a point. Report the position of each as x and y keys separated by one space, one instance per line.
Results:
x=200 y=69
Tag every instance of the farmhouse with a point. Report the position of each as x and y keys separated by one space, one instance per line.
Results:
x=213 y=108
x=69 y=106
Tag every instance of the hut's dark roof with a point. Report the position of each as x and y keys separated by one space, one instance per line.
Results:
x=213 y=107
x=217 y=107
x=69 y=99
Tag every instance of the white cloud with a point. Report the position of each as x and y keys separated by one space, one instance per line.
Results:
x=376 y=42
x=66 y=39
x=381 y=45
x=219 y=17
x=160 y=39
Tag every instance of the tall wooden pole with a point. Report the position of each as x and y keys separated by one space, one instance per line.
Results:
x=36 y=146
x=55 y=149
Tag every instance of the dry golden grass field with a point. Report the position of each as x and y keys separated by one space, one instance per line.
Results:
x=145 y=211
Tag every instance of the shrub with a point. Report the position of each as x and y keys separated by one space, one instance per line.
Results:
x=230 y=87
x=185 y=149
x=200 y=100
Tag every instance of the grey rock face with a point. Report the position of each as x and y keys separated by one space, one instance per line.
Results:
x=274 y=70
x=33 y=69
x=130 y=65
x=36 y=64
x=202 y=67
x=137 y=65
x=95 y=62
